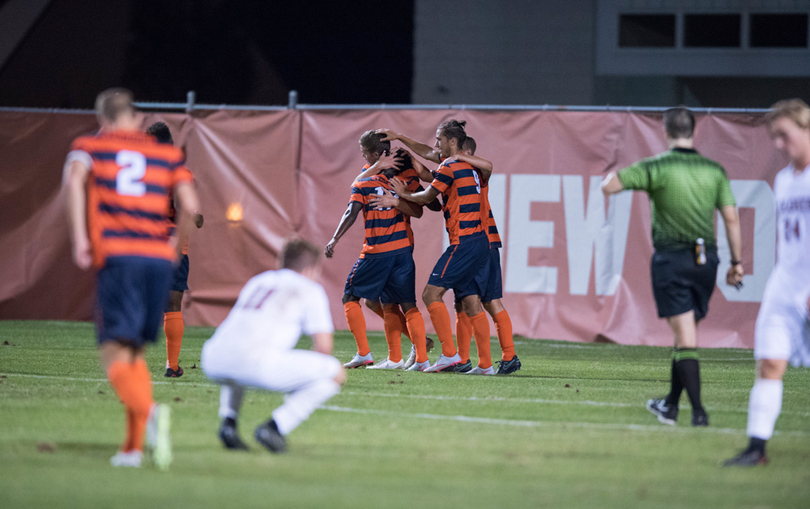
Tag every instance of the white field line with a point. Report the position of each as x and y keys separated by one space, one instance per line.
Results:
x=410 y=396
x=546 y=424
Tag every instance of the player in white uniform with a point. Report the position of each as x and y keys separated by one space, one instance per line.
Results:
x=254 y=347
x=781 y=333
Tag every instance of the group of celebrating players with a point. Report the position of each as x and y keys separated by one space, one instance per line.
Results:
x=389 y=193
x=119 y=183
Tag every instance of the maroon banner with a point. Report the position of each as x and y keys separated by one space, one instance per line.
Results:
x=575 y=265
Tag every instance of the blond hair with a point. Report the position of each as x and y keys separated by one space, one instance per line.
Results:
x=111 y=103
x=795 y=109
x=298 y=254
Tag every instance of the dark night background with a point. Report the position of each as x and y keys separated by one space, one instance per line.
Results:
x=245 y=52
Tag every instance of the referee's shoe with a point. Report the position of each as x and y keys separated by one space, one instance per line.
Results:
x=666 y=414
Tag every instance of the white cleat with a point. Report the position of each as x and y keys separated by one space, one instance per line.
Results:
x=387 y=364
x=419 y=366
x=481 y=371
x=443 y=363
x=158 y=435
x=359 y=361
x=411 y=358
x=127 y=459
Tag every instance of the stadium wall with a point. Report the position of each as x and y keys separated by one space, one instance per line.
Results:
x=576 y=266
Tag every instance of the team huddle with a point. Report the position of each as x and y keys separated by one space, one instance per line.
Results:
x=389 y=193
x=121 y=184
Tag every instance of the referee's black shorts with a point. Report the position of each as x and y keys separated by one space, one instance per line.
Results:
x=680 y=284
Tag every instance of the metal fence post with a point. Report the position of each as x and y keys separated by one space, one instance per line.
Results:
x=293 y=100
x=191 y=98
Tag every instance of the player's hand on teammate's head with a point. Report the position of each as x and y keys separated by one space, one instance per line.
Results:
x=329 y=250
x=389 y=160
x=82 y=254
x=389 y=134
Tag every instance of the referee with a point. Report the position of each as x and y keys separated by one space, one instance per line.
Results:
x=684 y=188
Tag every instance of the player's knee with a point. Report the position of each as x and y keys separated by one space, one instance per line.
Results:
x=407 y=306
x=771 y=369
x=373 y=305
x=350 y=298
x=493 y=307
x=458 y=306
x=431 y=295
x=472 y=306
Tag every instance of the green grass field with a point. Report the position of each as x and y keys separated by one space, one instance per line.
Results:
x=568 y=430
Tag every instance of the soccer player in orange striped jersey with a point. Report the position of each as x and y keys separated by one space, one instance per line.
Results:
x=460 y=186
x=173 y=317
x=488 y=282
x=385 y=271
x=117 y=184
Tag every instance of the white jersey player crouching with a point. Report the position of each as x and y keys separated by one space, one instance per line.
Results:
x=781 y=334
x=255 y=347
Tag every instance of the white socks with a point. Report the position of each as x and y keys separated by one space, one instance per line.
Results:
x=300 y=404
x=230 y=400
x=764 y=406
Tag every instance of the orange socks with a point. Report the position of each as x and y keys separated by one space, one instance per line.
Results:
x=441 y=322
x=463 y=335
x=404 y=324
x=393 y=335
x=357 y=324
x=503 y=326
x=173 y=327
x=480 y=327
x=133 y=384
x=416 y=327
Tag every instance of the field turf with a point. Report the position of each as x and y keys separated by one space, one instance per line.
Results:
x=568 y=430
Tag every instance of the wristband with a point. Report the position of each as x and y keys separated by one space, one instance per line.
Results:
x=736 y=262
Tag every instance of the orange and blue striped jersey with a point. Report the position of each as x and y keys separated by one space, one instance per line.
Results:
x=131 y=176
x=387 y=231
x=459 y=184
x=489 y=219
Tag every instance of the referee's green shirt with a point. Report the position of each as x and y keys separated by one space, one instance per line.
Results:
x=685 y=188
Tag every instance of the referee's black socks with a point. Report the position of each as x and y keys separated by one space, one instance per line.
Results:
x=687 y=368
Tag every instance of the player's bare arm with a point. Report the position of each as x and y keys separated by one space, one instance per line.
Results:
x=189 y=203
x=388 y=200
x=346 y=222
x=479 y=163
x=612 y=184
x=75 y=184
x=385 y=162
x=322 y=342
x=421 y=197
x=732 y=221
x=424 y=151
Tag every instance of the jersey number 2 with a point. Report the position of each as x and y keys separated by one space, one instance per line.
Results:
x=133 y=168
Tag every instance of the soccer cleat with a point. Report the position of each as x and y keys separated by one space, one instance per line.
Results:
x=419 y=366
x=387 y=364
x=411 y=358
x=359 y=361
x=481 y=371
x=230 y=437
x=171 y=373
x=158 y=438
x=665 y=414
x=700 y=419
x=747 y=458
x=268 y=435
x=444 y=364
x=507 y=367
x=462 y=367
x=127 y=459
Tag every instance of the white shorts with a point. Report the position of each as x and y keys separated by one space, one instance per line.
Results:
x=274 y=370
x=782 y=331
